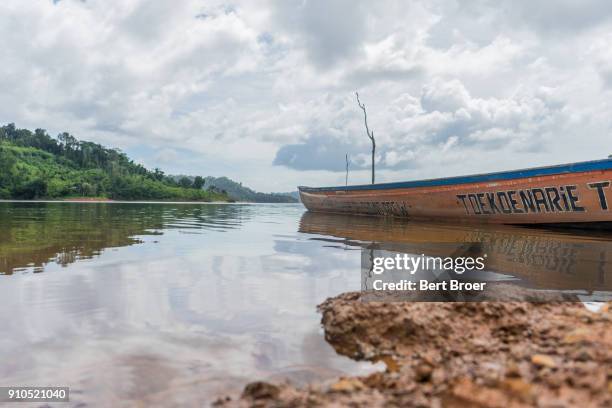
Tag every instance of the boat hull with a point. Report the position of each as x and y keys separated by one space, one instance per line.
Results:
x=572 y=194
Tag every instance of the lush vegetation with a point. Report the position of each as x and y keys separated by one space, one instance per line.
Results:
x=34 y=165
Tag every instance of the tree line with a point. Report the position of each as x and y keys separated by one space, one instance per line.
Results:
x=36 y=165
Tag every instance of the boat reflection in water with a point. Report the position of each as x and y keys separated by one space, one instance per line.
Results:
x=570 y=260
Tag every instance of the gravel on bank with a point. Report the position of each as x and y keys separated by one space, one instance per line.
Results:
x=489 y=354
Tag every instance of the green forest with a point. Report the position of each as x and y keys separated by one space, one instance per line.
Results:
x=34 y=165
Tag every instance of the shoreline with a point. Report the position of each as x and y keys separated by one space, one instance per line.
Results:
x=111 y=201
x=488 y=354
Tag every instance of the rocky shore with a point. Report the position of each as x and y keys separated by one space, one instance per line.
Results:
x=490 y=354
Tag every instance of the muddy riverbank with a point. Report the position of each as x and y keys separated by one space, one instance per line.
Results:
x=459 y=354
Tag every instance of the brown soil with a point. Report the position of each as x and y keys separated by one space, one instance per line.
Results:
x=458 y=354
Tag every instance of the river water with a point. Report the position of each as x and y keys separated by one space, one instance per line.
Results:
x=175 y=304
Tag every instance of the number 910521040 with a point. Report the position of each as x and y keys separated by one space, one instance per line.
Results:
x=40 y=394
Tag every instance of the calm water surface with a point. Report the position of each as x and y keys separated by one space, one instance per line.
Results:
x=175 y=304
x=164 y=303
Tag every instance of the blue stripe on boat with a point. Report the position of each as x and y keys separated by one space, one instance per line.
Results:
x=477 y=178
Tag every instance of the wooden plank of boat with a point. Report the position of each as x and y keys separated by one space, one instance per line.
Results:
x=576 y=193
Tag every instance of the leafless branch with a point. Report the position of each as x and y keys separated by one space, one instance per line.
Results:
x=347 y=169
x=369 y=132
x=365 y=117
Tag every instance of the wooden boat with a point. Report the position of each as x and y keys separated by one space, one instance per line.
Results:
x=576 y=194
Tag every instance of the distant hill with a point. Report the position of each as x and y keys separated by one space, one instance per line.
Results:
x=239 y=192
x=294 y=194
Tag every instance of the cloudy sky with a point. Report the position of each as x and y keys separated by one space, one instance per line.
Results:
x=263 y=91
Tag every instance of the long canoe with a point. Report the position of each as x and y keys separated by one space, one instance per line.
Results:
x=575 y=194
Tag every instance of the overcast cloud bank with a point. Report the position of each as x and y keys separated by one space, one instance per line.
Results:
x=263 y=91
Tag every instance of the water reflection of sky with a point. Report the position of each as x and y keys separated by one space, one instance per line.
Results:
x=203 y=307
x=165 y=304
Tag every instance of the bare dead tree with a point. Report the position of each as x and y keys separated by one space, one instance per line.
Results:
x=369 y=132
x=347 y=162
